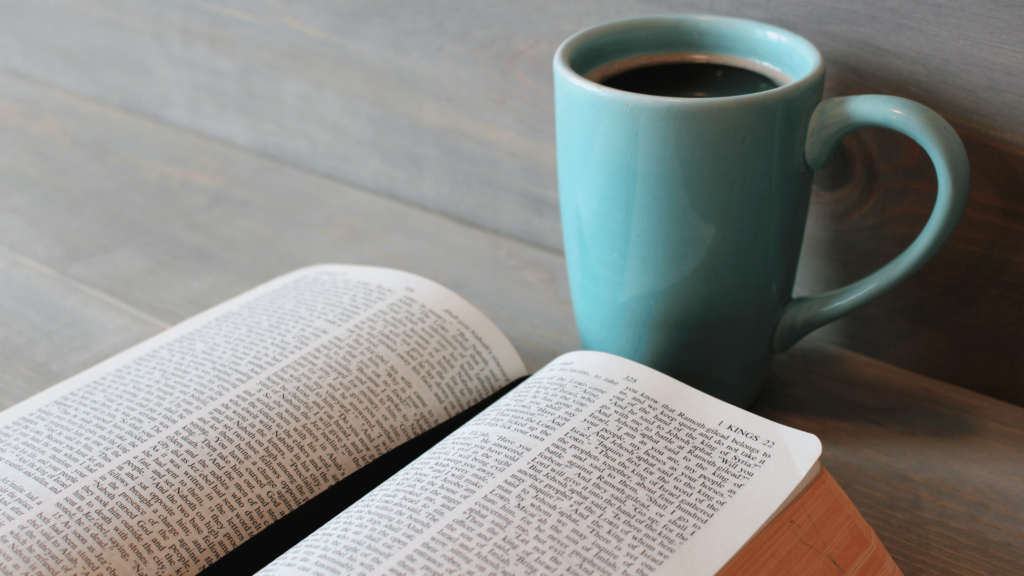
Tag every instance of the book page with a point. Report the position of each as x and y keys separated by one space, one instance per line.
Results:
x=595 y=465
x=164 y=458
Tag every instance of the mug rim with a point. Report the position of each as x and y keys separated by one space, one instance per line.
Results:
x=588 y=36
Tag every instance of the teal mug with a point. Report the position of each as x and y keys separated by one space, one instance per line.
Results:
x=683 y=216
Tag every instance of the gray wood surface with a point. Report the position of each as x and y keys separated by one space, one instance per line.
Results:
x=447 y=105
x=935 y=469
x=166 y=223
x=54 y=327
x=113 y=226
x=430 y=101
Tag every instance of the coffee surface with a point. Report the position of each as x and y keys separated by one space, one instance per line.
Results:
x=690 y=80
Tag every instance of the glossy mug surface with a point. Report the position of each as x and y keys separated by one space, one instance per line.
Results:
x=683 y=217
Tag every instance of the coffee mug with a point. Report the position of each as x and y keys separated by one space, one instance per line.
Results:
x=683 y=216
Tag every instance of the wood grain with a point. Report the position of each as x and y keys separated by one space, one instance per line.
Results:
x=820 y=533
x=934 y=469
x=53 y=327
x=168 y=223
x=448 y=106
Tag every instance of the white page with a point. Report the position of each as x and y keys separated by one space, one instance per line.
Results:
x=592 y=466
x=165 y=457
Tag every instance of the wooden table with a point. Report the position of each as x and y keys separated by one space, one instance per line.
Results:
x=114 y=226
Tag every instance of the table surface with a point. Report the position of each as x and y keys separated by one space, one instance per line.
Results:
x=114 y=227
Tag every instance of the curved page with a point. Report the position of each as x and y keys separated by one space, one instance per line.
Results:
x=164 y=458
x=595 y=465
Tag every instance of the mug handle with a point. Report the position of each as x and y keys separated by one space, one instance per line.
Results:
x=832 y=120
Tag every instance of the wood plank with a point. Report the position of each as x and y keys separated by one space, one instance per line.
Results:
x=449 y=106
x=171 y=223
x=54 y=326
x=329 y=99
x=935 y=469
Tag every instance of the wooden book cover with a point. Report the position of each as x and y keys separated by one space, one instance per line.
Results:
x=819 y=533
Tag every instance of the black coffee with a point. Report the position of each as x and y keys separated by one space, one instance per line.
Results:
x=690 y=80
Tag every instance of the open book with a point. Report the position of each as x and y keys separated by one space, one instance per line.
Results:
x=165 y=458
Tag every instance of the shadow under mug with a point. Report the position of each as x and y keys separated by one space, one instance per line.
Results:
x=683 y=217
